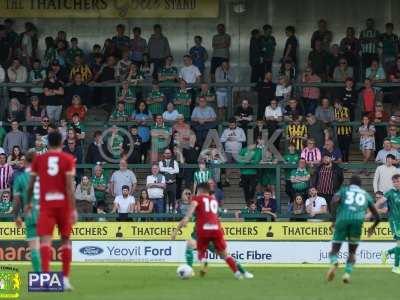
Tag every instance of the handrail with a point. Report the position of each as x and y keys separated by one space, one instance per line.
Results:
x=261 y=165
x=211 y=84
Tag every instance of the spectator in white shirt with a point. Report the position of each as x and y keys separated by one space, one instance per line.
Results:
x=171 y=113
x=387 y=149
x=315 y=205
x=273 y=112
x=155 y=185
x=124 y=204
x=232 y=138
x=17 y=73
x=384 y=173
x=190 y=74
x=2 y=74
x=283 y=91
x=223 y=74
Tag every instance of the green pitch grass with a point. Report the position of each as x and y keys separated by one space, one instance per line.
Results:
x=160 y=283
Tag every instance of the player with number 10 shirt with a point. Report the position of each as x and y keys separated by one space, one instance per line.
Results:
x=208 y=230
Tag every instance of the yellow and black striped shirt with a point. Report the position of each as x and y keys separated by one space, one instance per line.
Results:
x=295 y=133
x=342 y=114
x=84 y=70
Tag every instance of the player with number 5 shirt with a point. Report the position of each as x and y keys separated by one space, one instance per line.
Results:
x=56 y=172
x=209 y=230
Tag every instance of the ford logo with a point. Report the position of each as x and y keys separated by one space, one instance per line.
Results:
x=91 y=250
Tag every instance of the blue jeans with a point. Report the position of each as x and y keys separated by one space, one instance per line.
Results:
x=159 y=205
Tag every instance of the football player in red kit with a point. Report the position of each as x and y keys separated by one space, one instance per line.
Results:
x=208 y=229
x=56 y=172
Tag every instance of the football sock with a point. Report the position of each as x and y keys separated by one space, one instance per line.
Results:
x=392 y=251
x=231 y=263
x=45 y=256
x=349 y=268
x=66 y=256
x=397 y=257
x=189 y=256
x=333 y=259
x=240 y=268
x=35 y=256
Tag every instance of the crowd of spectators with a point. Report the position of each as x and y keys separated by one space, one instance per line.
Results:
x=174 y=119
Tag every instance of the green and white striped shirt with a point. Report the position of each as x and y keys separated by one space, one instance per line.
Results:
x=202 y=176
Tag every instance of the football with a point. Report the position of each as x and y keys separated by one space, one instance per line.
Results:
x=184 y=272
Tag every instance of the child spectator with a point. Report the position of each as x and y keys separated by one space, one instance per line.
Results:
x=37 y=76
x=202 y=175
x=283 y=91
x=344 y=133
x=6 y=206
x=367 y=138
x=368 y=96
x=296 y=132
x=199 y=54
x=76 y=108
x=78 y=127
x=349 y=96
x=119 y=114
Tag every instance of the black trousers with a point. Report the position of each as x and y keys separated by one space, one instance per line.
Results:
x=249 y=183
x=170 y=195
x=344 y=142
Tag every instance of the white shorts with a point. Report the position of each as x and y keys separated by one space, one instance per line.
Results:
x=222 y=99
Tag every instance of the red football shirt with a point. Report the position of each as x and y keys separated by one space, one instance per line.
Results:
x=52 y=168
x=206 y=213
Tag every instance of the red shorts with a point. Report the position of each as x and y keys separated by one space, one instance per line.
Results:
x=210 y=236
x=50 y=217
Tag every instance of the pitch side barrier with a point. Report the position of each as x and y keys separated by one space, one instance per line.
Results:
x=149 y=242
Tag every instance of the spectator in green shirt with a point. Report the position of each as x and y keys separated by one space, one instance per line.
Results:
x=5 y=203
x=99 y=182
x=183 y=100
x=2 y=134
x=249 y=156
x=155 y=100
x=79 y=128
x=168 y=75
x=127 y=94
x=119 y=114
x=115 y=143
x=160 y=137
x=250 y=209
x=202 y=175
x=300 y=178
x=390 y=46
x=73 y=51
x=291 y=158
